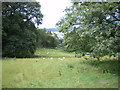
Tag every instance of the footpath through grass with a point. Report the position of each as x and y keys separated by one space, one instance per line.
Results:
x=54 y=68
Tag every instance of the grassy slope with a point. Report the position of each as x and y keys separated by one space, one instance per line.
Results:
x=53 y=68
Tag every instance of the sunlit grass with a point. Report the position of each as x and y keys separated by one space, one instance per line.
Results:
x=56 y=53
x=55 y=68
x=108 y=58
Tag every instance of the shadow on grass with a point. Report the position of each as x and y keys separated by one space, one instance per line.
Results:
x=37 y=56
x=108 y=66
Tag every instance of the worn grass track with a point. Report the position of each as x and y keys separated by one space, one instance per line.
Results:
x=55 y=68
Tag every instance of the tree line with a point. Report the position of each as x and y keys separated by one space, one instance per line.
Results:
x=92 y=27
x=20 y=37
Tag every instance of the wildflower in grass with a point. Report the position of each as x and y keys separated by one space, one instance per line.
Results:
x=43 y=58
x=59 y=58
x=51 y=58
x=63 y=57
x=47 y=52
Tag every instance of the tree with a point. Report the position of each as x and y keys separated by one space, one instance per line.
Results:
x=46 y=39
x=19 y=36
x=97 y=26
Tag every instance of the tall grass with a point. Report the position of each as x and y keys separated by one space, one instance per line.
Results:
x=55 y=68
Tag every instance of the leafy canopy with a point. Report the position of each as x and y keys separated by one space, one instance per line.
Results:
x=93 y=27
x=19 y=36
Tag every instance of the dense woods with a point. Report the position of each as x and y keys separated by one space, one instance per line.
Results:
x=20 y=37
x=19 y=32
x=87 y=27
x=92 y=27
x=47 y=39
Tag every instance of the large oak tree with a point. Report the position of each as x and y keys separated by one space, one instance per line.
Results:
x=19 y=34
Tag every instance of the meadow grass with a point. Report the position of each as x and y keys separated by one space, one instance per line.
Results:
x=55 y=68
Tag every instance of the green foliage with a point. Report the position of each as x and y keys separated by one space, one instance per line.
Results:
x=96 y=27
x=19 y=36
x=46 y=39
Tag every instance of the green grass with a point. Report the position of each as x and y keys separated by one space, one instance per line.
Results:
x=55 y=68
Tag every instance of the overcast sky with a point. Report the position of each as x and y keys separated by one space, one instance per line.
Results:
x=52 y=11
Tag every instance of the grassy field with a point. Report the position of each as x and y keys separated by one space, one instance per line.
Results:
x=54 y=68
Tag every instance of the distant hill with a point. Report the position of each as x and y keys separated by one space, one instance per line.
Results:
x=55 y=30
x=52 y=29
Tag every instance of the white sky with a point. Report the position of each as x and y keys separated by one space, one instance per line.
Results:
x=52 y=11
